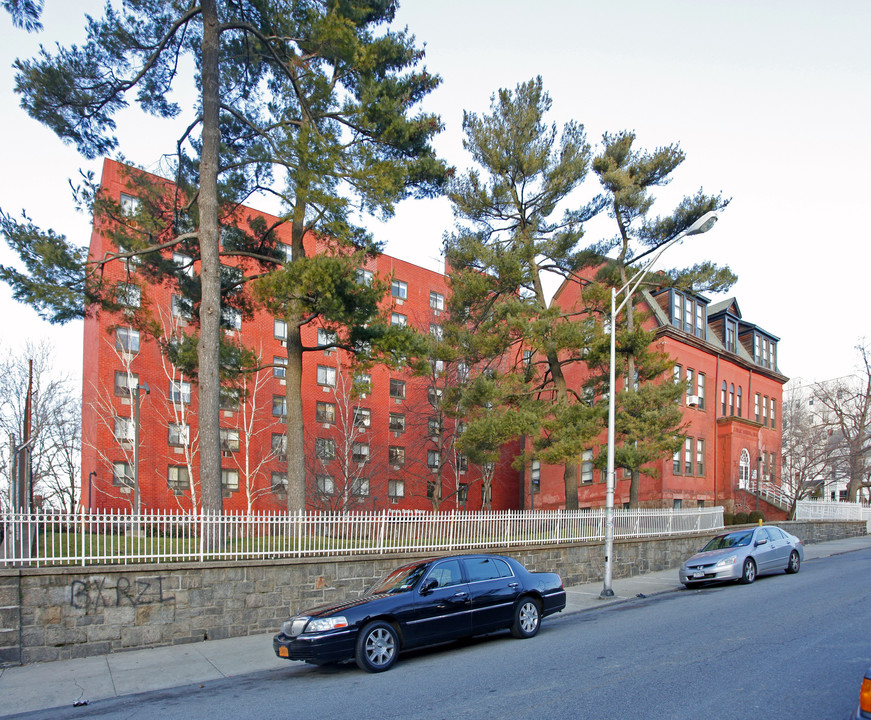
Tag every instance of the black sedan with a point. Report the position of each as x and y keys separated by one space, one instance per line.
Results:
x=424 y=603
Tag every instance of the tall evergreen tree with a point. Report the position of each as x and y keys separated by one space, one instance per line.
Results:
x=647 y=421
x=526 y=174
x=305 y=85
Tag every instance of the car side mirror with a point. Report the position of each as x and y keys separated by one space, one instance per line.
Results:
x=429 y=585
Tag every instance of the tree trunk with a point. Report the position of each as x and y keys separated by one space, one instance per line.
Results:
x=210 y=273
x=295 y=427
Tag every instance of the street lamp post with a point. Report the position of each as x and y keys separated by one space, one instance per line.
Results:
x=703 y=224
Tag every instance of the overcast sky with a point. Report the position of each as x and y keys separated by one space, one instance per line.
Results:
x=769 y=100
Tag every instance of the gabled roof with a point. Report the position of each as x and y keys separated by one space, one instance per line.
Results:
x=729 y=305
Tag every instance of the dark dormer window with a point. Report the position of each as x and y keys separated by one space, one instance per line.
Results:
x=765 y=351
x=731 y=336
x=688 y=314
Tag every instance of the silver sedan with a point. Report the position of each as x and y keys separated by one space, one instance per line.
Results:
x=743 y=555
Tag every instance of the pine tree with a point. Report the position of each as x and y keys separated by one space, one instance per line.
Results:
x=526 y=174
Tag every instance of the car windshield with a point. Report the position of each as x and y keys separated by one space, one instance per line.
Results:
x=724 y=542
x=401 y=580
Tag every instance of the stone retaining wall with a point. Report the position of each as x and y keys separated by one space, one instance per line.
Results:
x=59 y=613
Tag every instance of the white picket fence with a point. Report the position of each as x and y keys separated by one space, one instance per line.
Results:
x=121 y=538
x=829 y=510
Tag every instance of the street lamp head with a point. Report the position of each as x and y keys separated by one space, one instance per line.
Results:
x=703 y=224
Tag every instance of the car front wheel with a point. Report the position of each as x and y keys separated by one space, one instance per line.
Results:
x=794 y=563
x=377 y=647
x=527 y=618
x=749 y=573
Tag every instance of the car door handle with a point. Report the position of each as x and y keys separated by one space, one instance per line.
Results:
x=514 y=585
x=460 y=595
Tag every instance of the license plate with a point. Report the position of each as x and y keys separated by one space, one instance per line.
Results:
x=699 y=574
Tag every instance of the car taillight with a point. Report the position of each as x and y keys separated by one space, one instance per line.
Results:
x=865 y=696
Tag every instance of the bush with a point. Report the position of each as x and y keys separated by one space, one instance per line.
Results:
x=756 y=516
x=740 y=519
x=728 y=518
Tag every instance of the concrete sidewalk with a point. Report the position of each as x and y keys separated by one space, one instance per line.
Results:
x=66 y=682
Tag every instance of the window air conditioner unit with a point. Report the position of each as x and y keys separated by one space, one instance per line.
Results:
x=693 y=400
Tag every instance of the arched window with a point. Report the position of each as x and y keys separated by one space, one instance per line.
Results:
x=738 y=402
x=723 y=399
x=744 y=470
x=731 y=400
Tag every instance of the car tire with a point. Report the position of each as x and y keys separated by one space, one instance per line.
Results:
x=794 y=564
x=377 y=647
x=527 y=618
x=748 y=574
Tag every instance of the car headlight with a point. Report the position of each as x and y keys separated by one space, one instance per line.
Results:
x=324 y=624
x=725 y=562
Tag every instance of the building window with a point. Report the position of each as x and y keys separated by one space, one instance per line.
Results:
x=765 y=410
x=179 y=392
x=434 y=426
x=122 y=474
x=397 y=389
x=434 y=395
x=396 y=455
x=125 y=383
x=773 y=414
x=279 y=366
x=700 y=320
x=397 y=423
x=183 y=264
x=732 y=400
x=587 y=466
x=757 y=401
x=279 y=406
x=744 y=470
x=675 y=462
x=688 y=456
x=700 y=457
x=432 y=458
x=230 y=398
x=462 y=462
x=279 y=482
x=701 y=391
x=179 y=434
x=279 y=446
x=677 y=503
x=325 y=413
x=362 y=417
x=738 y=401
x=463 y=492
x=178 y=478
x=436 y=332
x=731 y=336
x=690 y=382
x=180 y=308
x=325 y=484
x=360 y=452
x=362 y=384
x=535 y=476
x=677 y=311
x=436 y=301
x=398 y=319
x=124 y=429
x=128 y=295
x=360 y=487
x=229 y=480
x=364 y=277
x=127 y=340
x=399 y=289
x=326 y=338
x=229 y=440
x=723 y=391
x=325 y=448
x=231 y=319
x=280 y=331
x=326 y=376
x=395 y=489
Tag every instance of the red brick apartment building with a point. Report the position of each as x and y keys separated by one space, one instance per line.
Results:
x=379 y=450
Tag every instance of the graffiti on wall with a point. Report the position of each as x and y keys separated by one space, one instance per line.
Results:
x=94 y=594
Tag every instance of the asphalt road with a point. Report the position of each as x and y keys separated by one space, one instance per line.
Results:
x=791 y=647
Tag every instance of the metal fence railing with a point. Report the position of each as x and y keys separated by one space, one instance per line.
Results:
x=831 y=510
x=41 y=539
